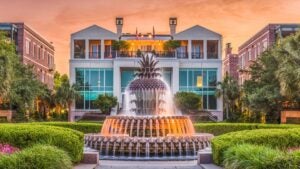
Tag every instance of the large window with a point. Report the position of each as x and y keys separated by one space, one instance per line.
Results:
x=202 y=82
x=79 y=49
x=95 y=49
x=197 y=49
x=212 y=49
x=92 y=83
x=27 y=47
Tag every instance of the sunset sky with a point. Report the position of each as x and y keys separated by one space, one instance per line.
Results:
x=236 y=20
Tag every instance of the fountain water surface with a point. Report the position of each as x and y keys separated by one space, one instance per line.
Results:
x=148 y=128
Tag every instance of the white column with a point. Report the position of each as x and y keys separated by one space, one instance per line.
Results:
x=102 y=48
x=220 y=49
x=87 y=49
x=72 y=49
x=205 y=49
x=175 y=78
x=190 y=49
x=117 y=83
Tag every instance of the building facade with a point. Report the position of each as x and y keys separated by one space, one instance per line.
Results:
x=230 y=63
x=32 y=49
x=98 y=69
x=252 y=48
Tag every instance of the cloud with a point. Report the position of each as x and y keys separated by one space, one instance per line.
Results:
x=237 y=20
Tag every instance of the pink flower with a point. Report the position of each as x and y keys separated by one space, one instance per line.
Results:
x=7 y=149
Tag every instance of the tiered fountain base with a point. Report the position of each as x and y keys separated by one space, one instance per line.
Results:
x=148 y=138
x=141 y=148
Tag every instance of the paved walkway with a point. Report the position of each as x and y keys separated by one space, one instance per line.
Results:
x=106 y=164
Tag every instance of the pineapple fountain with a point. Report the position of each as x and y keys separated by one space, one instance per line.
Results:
x=149 y=127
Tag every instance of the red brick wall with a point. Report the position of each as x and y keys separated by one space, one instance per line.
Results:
x=42 y=57
x=251 y=49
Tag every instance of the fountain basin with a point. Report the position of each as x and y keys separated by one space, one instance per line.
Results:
x=152 y=148
x=148 y=126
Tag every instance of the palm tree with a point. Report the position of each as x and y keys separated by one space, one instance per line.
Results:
x=66 y=94
x=230 y=92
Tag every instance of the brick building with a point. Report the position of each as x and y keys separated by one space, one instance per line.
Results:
x=266 y=37
x=230 y=63
x=32 y=49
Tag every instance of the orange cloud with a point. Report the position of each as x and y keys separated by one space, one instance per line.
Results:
x=236 y=20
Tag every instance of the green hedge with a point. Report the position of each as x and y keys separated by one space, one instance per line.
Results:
x=275 y=138
x=26 y=135
x=259 y=157
x=82 y=127
x=214 y=128
x=37 y=157
x=222 y=128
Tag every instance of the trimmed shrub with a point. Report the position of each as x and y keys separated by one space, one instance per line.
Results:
x=222 y=128
x=274 y=138
x=213 y=128
x=26 y=135
x=258 y=157
x=37 y=157
x=82 y=127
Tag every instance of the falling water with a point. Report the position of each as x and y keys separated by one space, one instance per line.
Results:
x=172 y=149
x=180 y=149
x=194 y=148
x=130 y=149
x=114 y=149
x=149 y=125
x=107 y=149
x=156 y=149
x=187 y=149
x=164 y=149
x=147 y=149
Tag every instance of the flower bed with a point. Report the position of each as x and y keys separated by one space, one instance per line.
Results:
x=37 y=157
x=27 y=135
x=8 y=149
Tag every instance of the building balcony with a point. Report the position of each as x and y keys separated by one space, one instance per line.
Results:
x=79 y=55
x=137 y=54
x=95 y=55
x=212 y=55
x=197 y=55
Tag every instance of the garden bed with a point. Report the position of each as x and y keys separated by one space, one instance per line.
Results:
x=229 y=149
x=40 y=146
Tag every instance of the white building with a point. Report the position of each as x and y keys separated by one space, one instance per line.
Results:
x=195 y=66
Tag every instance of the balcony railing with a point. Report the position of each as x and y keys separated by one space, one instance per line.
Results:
x=182 y=55
x=212 y=55
x=95 y=55
x=197 y=55
x=135 y=54
x=79 y=55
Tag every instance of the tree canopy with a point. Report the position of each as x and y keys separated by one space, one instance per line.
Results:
x=188 y=102
x=105 y=103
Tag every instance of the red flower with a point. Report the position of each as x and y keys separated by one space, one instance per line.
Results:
x=7 y=149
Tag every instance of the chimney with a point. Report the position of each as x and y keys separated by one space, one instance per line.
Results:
x=119 y=24
x=228 y=49
x=173 y=24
